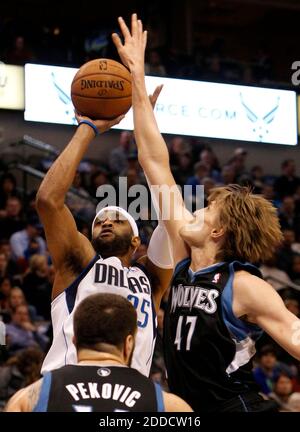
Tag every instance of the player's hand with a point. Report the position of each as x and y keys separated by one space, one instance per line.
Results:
x=153 y=98
x=132 y=51
x=101 y=125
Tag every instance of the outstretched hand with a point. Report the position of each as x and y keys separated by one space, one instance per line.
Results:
x=101 y=125
x=132 y=51
x=153 y=98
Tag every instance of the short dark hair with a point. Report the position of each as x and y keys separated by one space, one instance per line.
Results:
x=267 y=349
x=104 y=319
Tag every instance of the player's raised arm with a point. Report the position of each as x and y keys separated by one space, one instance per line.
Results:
x=64 y=241
x=152 y=150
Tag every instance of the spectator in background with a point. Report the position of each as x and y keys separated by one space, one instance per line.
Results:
x=11 y=219
x=287 y=215
x=16 y=298
x=279 y=279
x=79 y=200
x=184 y=168
x=5 y=288
x=37 y=286
x=268 y=192
x=98 y=178
x=292 y=304
x=21 y=333
x=20 y=53
x=257 y=178
x=228 y=175
x=19 y=371
x=21 y=241
x=297 y=200
x=267 y=369
x=4 y=268
x=286 y=254
x=295 y=275
x=282 y=390
x=177 y=147
x=118 y=158
x=208 y=157
x=288 y=182
x=7 y=188
x=153 y=64
x=238 y=162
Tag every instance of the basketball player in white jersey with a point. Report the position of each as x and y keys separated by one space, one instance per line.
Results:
x=103 y=266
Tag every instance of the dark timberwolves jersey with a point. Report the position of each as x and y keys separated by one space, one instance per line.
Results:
x=99 y=389
x=208 y=350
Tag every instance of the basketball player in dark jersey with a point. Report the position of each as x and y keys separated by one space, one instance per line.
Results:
x=103 y=265
x=105 y=327
x=218 y=303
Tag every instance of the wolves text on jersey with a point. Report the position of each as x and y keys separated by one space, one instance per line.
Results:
x=194 y=297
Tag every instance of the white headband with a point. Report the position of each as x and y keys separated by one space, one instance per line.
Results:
x=123 y=213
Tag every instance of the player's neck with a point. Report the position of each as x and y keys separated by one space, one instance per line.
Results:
x=201 y=258
x=86 y=356
x=125 y=260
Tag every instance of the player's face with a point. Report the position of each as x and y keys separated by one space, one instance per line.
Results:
x=112 y=234
x=199 y=231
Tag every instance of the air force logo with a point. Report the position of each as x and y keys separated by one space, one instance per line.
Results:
x=260 y=123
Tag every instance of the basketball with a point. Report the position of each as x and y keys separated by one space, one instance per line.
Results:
x=101 y=89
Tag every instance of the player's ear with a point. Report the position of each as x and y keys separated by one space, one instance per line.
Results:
x=128 y=348
x=217 y=233
x=135 y=242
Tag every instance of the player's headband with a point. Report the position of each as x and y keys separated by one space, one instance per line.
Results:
x=114 y=212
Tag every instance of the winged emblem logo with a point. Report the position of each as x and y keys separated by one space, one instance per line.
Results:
x=260 y=124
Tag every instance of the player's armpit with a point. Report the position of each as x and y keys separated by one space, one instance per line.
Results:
x=160 y=278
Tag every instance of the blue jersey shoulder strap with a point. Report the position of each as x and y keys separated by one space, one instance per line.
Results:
x=42 y=403
x=159 y=398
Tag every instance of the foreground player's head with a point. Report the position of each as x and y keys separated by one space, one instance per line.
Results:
x=236 y=224
x=114 y=232
x=105 y=323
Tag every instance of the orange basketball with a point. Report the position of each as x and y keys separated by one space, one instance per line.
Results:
x=101 y=89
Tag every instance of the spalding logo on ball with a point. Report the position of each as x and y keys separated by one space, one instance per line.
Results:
x=101 y=89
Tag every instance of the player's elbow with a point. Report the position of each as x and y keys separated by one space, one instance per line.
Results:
x=44 y=201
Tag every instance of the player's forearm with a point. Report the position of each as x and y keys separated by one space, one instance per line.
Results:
x=151 y=146
x=60 y=176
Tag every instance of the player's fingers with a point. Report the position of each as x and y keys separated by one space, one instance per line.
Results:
x=157 y=91
x=116 y=120
x=116 y=40
x=145 y=34
x=134 y=25
x=140 y=29
x=153 y=98
x=124 y=29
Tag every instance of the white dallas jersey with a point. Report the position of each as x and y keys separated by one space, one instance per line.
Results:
x=104 y=276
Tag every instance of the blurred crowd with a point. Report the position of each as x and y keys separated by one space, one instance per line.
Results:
x=27 y=273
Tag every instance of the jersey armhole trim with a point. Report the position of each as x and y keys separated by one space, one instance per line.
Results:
x=159 y=398
x=42 y=403
x=238 y=328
